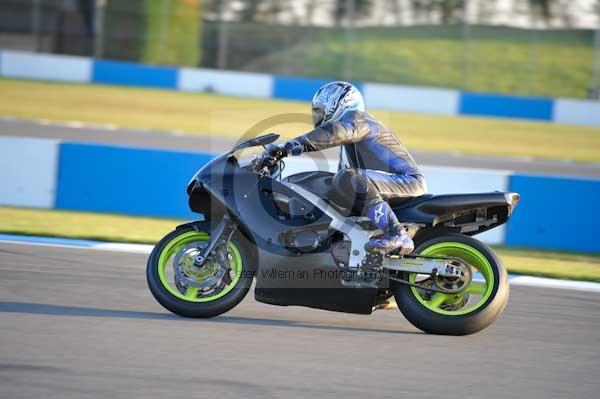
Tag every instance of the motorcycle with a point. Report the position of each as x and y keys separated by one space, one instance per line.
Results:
x=303 y=249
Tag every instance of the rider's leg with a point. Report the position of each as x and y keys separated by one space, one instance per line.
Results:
x=396 y=186
x=358 y=192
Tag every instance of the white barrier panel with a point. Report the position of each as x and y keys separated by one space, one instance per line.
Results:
x=301 y=164
x=445 y=180
x=449 y=180
x=22 y=64
x=411 y=99
x=226 y=82
x=28 y=169
x=577 y=112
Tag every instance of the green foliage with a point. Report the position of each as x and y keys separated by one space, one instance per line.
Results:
x=173 y=32
x=153 y=31
x=496 y=59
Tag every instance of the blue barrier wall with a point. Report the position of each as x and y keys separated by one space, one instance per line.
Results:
x=131 y=74
x=28 y=65
x=133 y=181
x=555 y=213
x=291 y=88
x=301 y=89
x=506 y=106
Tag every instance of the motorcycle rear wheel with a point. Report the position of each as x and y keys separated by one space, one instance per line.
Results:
x=468 y=312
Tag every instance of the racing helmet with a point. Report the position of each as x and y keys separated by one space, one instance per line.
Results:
x=333 y=100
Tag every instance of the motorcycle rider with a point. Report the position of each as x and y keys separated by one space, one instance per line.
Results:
x=374 y=164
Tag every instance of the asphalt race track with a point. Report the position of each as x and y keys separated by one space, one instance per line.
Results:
x=143 y=138
x=80 y=323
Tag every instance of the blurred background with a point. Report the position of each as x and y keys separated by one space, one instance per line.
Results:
x=100 y=98
x=109 y=107
x=529 y=47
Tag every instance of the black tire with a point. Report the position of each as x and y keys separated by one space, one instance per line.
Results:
x=435 y=323
x=200 y=309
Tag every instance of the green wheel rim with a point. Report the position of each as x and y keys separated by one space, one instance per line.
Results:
x=474 y=258
x=175 y=245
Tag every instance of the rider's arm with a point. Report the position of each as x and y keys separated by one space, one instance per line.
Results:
x=345 y=131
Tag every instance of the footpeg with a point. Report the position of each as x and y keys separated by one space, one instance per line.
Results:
x=401 y=244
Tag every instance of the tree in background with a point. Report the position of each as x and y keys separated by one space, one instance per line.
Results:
x=542 y=9
x=173 y=32
x=341 y=10
x=249 y=10
x=123 y=30
x=450 y=11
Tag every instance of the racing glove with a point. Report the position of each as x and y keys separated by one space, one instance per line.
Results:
x=274 y=152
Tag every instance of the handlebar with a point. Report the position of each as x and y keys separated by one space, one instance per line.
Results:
x=264 y=166
x=267 y=166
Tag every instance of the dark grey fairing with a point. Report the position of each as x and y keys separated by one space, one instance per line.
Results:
x=345 y=299
x=270 y=215
x=293 y=242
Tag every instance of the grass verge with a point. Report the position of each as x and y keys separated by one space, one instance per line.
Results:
x=84 y=225
x=204 y=114
x=119 y=228
x=496 y=59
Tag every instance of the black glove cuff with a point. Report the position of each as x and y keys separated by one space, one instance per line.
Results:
x=293 y=147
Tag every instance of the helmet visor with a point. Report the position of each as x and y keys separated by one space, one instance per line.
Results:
x=318 y=114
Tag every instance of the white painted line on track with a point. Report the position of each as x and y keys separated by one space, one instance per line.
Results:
x=76 y=244
x=555 y=283
x=515 y=280
x=121 y=247
x=75 y=124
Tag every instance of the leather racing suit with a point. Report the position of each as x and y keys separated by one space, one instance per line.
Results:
x=374 y=164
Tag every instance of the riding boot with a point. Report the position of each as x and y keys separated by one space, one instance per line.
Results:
x=394 y=238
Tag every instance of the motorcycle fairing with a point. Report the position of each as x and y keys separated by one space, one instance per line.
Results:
x=255 y=202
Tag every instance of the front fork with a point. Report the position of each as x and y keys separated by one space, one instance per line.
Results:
x=220 y=234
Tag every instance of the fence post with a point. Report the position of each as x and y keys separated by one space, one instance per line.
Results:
x=223 y=41
x=594 y=89
x=532 y=53
x=466 y=35
x=164 y=30
x=35 y=24
x=349 y=35
x=99 y=28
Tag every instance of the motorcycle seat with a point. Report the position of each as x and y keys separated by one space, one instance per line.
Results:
x=406 y=202
x=428 y=208
x=439 y=204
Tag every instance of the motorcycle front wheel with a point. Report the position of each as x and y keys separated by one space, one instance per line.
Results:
x=471 y=310
x=189 y=291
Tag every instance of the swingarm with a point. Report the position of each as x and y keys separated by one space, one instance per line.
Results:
x=447 y=275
